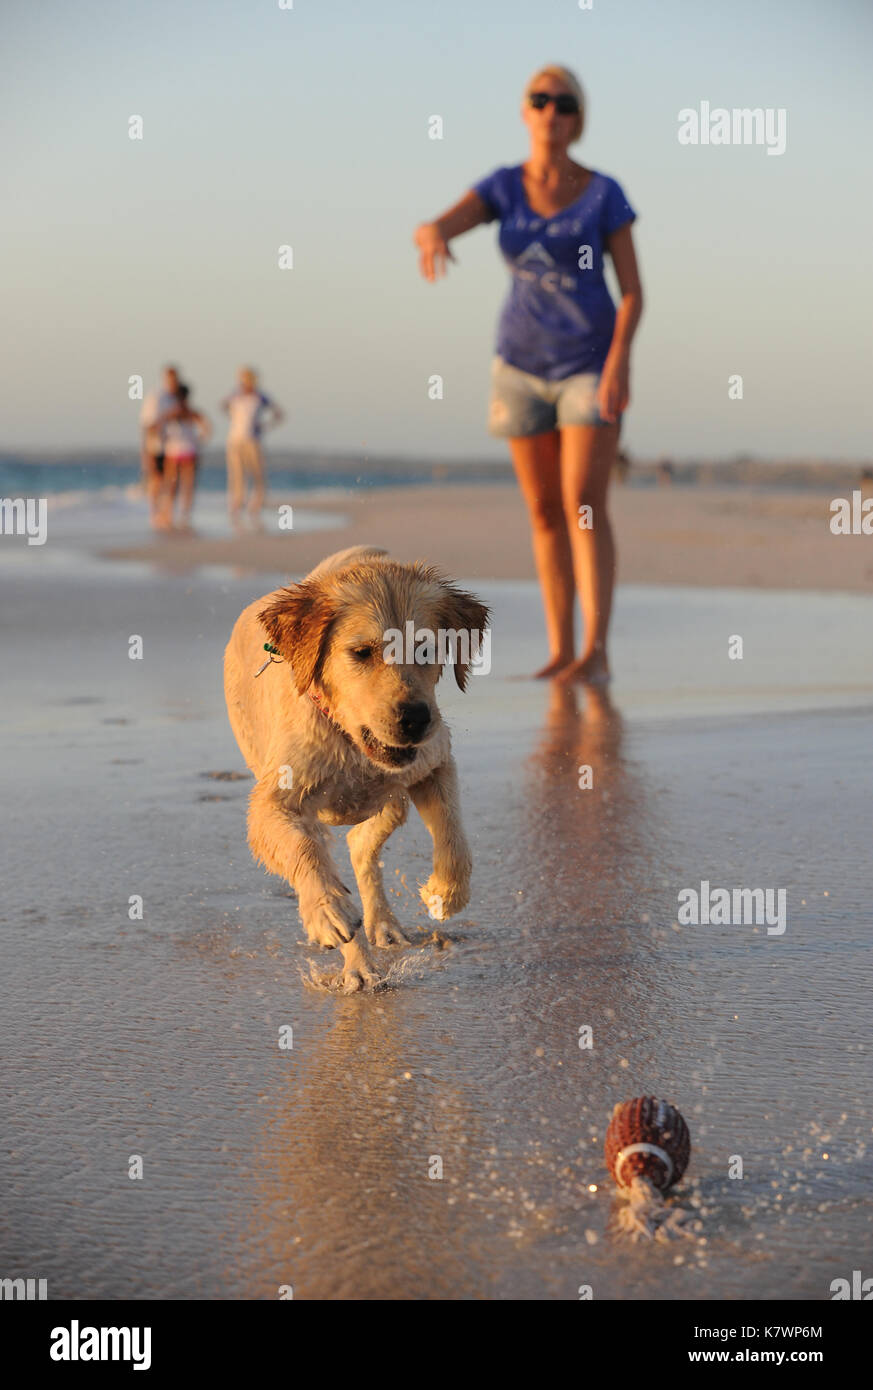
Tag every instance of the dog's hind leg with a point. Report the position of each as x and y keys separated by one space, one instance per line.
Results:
x=365 y=841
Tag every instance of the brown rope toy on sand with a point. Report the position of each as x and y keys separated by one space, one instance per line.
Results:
x=647 y=1150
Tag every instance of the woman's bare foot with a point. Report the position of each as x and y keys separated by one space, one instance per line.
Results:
x=592 y=669
x=557 y=663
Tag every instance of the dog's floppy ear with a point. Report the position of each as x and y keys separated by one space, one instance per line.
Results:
x=297 y=622
x=463 y=613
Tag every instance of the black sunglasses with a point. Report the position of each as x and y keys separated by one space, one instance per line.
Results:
x=565 y=105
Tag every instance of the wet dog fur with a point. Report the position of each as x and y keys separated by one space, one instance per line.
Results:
x=335 y=734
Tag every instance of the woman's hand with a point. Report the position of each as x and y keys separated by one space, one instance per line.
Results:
x=433 y=250
x=613 y=392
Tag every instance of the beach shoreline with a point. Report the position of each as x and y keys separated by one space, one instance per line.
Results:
x=699 y=537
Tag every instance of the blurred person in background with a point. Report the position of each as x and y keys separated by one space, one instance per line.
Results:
x=250 y=413
x=154 y=407
x=185 y=430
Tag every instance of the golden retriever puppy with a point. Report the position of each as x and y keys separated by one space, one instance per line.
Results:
x=341 y=727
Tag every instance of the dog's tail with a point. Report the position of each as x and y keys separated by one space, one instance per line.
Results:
x=354 y=555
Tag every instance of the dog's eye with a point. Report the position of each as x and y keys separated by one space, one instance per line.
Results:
x=362 y=653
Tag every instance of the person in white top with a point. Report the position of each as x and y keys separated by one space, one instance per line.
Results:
x=155 y=405
x=250 y=412
x=184 y=430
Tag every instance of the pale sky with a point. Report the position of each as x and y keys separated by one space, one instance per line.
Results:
x=309 y=127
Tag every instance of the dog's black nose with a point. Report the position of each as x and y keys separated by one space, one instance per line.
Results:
x=413 y=718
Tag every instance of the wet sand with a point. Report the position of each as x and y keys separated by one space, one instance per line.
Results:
x=309 y=1167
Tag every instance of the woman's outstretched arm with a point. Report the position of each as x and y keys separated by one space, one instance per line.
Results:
x=432 y=238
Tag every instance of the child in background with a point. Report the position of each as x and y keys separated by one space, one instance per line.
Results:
x=185 y=430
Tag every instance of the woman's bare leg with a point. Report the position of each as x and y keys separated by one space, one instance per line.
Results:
x=537 y=463
x=587 y=454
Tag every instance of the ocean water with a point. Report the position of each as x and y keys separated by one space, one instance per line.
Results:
x=441 y=1139
x=67 y=479
x=96 y=502
x=103 y=505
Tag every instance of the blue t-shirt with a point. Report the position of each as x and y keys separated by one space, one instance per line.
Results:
x=559 y=316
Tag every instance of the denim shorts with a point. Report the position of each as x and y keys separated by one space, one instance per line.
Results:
x=522 y=404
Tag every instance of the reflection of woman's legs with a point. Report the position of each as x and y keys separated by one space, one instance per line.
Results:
x=168 y=493
x=587 y=454
x=187 y=480
x=256 y=473
x=235 y=482
x=154 y=487
x=537 y=463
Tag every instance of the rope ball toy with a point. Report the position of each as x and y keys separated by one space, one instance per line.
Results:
x=647 y=1149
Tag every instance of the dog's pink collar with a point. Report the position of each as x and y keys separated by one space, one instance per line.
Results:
x=323 y=709
x=318 y=705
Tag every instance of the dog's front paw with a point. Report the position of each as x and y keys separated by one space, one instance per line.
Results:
x=383 y=929
x=358 y=972
x=331 y=918
x=443 y=898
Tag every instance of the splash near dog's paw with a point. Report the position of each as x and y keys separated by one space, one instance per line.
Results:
x=342 y=981
x=439 y=940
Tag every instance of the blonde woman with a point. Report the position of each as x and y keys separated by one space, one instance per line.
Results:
x=560 y=379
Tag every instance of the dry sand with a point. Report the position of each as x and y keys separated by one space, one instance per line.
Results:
x=671 y=535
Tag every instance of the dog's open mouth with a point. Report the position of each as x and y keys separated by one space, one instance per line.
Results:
x=386 y=753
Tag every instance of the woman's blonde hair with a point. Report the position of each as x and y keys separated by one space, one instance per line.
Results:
x=570 y=81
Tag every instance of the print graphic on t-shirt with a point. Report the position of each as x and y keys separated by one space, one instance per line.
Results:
x=535 y=252
x=559 y=317
x=536 y=266
x=564 y=226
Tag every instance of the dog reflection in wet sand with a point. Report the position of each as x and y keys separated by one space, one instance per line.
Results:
x=337 y=734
